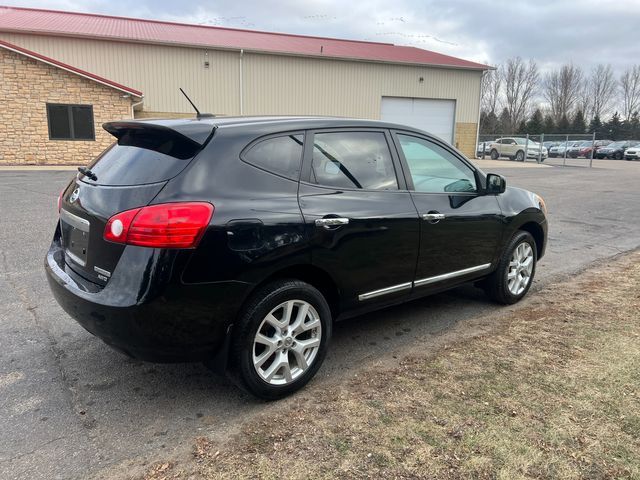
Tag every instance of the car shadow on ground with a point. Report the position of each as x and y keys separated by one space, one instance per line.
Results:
x=190 y=391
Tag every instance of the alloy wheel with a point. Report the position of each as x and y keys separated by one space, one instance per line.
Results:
x=287 y=342
x=520 y=268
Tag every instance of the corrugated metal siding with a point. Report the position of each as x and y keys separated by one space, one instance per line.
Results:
x=273 y=84
x=294 y=85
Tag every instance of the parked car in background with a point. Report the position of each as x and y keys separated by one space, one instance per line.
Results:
x=632 y=153
x=616 y=150
x=240 y=241
x=595 y=146
x=514 y=149
x=559 y=150
x=487 y=147
x=574 y=151
x=550 y=144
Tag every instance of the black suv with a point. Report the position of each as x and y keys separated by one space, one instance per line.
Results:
x=239 y=241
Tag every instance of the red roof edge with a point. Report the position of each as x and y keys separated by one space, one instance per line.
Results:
x=70 y=68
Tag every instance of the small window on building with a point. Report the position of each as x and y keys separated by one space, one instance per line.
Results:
x=279 y=155
x=70 y=122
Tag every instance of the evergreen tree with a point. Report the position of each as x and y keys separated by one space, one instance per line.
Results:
x=634 y=125
x=596 y=125
x=578 y=125
x=488 y=123
x=522 y=128
x=504 y=123
x=563 y=125
x=535 y=125
x=549 y=125
x=614 y=127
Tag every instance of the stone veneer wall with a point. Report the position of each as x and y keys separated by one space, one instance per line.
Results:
x=26 y=86
x=465 y=140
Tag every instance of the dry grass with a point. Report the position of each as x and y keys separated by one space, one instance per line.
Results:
x=552 y=392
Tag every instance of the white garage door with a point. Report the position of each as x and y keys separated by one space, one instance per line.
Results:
x=432 y=116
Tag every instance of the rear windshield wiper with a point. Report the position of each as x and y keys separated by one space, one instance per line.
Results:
x=88 y=173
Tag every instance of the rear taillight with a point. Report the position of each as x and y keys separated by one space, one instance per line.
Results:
x=166 y=225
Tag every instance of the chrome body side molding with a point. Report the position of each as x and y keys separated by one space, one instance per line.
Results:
x=384 y=291
x=447 y=276
x=423 y=281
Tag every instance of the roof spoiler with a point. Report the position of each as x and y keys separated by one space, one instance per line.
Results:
x=189 y=131
x=180 y=140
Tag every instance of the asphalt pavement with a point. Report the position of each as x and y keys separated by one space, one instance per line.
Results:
x=70 y=407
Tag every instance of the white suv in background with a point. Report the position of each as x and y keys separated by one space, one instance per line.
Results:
x=514 y=149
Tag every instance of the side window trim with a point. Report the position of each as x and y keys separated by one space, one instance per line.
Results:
x=308 y=157
x=263 y=138
x=405 y=165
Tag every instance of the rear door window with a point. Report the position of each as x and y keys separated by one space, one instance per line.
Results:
x=281 y=155
x=354 y=160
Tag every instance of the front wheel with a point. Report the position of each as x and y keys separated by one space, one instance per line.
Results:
x=517 y=266
x=281 y=339
x=519 y=156
x=618 y=156
x=494 y=154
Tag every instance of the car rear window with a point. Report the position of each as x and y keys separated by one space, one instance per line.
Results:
x=140 y=157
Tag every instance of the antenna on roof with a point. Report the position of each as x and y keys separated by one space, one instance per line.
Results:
x=198 y=114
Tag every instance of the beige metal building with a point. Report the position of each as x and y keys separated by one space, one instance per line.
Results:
x=239 y=72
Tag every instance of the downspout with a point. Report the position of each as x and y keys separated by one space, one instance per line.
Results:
x=240 y=86
x=134 y=105
x=475 y=146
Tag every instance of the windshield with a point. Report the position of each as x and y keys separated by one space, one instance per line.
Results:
x=616 y=144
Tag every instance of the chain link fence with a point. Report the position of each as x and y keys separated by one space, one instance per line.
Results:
x=522 y=147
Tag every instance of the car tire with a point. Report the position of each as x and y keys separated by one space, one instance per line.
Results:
x=286 y=365
x=617 y=155
x=494 y=154
x=499 y=285
x=519 y=156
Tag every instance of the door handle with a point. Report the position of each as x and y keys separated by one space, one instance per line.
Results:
x=433 y=217
x=331 y=222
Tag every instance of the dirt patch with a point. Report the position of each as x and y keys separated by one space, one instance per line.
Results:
x=551 y=389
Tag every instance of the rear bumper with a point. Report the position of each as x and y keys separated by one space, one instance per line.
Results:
x=143 y=314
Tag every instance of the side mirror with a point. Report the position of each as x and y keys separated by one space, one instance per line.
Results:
x=496 y=184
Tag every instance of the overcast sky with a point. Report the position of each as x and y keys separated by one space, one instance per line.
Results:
x=585 y=32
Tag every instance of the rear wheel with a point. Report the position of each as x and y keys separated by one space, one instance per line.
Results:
x=494 y=154
x=281 y=339
x=519 y=156
x=617 y=155
x=517 y=266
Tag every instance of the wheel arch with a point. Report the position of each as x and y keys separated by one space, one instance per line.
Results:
x=313 y=275
x=537 y=233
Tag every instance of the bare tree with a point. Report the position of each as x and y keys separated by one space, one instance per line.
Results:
x=630 y=89
x=601 y=89
x=562 y=90
x=491 y=88
x=585 y=100
x=520 y=83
